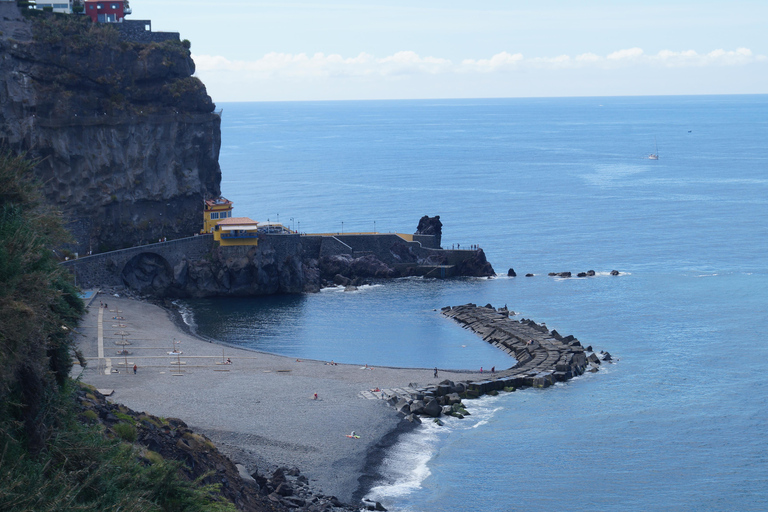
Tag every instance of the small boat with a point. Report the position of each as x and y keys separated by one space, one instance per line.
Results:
x=655 y=155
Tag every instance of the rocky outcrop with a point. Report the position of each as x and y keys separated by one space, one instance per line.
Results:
x=351 y=268
x=476 y=266
x=125 y=137
x=430 y=226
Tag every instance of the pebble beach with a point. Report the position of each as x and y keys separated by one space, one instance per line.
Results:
x=261 y=409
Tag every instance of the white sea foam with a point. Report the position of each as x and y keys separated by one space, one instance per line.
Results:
x=406 y=465
x=340 y=289
x=186 y=314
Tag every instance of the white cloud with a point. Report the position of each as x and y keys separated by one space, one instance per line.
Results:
x=403 y=63
x=628 y=54
x=499 y=62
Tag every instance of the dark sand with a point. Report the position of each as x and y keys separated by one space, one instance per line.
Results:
x=260 y=409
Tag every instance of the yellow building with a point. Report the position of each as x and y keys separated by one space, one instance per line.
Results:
x=215 y=210
x=236 y=231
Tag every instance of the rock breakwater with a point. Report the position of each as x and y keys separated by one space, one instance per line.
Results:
x=543 y=356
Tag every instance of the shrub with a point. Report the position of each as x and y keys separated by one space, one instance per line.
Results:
x=90 y=415
x=125 y=431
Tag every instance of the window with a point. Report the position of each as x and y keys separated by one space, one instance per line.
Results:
x=214 y=216
x=113 y=6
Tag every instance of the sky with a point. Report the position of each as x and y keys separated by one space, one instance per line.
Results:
x=394 y=49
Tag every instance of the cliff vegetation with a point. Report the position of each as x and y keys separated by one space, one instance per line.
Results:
x=53 y=456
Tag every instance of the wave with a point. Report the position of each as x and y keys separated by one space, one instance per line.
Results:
x=186 y=314
x=358 y=289
x=406 y=465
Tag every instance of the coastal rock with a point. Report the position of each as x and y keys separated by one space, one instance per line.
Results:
x=403 y=406
x=413 y=419
x=453 y=398
x=432 y=408
x=346 y=266
x=340 y=280
x=528 y=275
x=476 y=266
x=511 y=273
x=615 y=272
x=417 y=407
x=430 y=226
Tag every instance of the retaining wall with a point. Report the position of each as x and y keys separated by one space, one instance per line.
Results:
x=105 y=269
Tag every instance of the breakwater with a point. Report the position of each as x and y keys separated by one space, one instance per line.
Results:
x=543 y=356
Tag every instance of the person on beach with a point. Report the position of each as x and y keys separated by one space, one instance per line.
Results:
x=481 y=369
x=134 y=369
x=315 y=397
x=435 y=371
x=493 y=369
x=229 y=361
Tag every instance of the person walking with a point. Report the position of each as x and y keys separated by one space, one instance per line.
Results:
x=134 y=369
x=435 y=371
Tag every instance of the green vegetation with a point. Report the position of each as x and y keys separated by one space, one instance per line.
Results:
x=125 y=431
x=50 y=461
x=78 y=32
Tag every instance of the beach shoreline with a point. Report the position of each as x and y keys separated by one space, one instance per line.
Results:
x=260 y=410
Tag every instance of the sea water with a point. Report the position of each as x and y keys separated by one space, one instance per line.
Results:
x=679 y=422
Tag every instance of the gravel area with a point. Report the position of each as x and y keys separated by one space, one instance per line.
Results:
x=260 y=410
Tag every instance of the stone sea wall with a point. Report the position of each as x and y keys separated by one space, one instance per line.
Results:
x=281 y=263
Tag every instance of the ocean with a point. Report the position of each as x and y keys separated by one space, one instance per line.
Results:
x=679 y=422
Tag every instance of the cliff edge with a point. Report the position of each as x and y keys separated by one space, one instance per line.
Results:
x=126 y=139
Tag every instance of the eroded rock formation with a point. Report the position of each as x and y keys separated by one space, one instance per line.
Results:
x=126 y=137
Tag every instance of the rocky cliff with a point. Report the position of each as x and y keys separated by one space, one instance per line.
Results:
x=126 y=138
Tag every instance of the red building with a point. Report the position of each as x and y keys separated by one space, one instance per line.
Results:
x=106 y=11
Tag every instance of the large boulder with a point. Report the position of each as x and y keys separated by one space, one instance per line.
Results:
x=403 y=406
x=432 y=408
x=417 y=407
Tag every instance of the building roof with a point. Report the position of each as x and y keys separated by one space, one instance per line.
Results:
x=234 y=223
x=219 y=201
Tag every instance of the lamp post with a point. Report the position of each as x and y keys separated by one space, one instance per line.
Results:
x=374 y=227
x=342 y=227
x=299 y=227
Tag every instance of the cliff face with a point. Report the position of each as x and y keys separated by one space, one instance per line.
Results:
x=126 y=138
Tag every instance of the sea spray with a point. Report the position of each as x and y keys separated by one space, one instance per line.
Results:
x=406 y=466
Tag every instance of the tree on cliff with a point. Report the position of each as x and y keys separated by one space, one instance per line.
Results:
x=39 y=306
x=50 y=460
